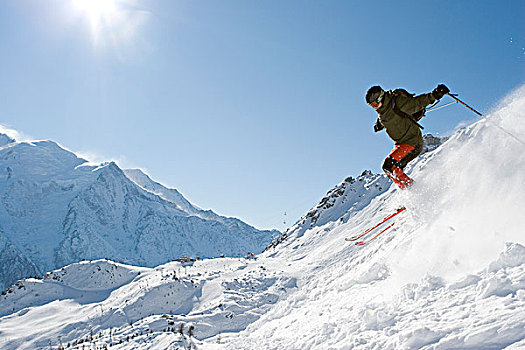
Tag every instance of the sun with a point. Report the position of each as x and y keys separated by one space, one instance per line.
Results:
x=96 y=9
x=100 y=13
x=112 y=23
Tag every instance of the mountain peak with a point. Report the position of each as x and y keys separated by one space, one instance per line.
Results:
x=70 y=209
x=5 y=140
x=432 y=142
x=111 y=166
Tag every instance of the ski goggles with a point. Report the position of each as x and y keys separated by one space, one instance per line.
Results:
x=375 y=104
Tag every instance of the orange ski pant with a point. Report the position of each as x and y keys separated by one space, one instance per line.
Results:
x=393 y=165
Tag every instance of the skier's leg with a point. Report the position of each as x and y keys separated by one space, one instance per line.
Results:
x=410 y=156
x=396 y=161
x=404 y=180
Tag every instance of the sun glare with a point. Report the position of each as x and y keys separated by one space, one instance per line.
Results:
x=113 y=23
x=99 y=12
x=96 y=9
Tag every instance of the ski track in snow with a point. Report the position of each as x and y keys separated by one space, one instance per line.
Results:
x=449 y=275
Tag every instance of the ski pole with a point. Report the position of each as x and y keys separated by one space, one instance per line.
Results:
x=481 y=115
x=439 y=107
x=454 y=96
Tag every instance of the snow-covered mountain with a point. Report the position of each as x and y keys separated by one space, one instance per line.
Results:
x=57 y=208
x=450 y=274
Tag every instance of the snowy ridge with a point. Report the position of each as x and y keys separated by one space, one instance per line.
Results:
x=449 y=275
x=340 y=203
x=348 y=197
x=174 y=196
x=431 y=142
x=57 y=208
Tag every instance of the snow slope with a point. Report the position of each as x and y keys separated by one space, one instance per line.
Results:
x=57 y=208
x=449 y=275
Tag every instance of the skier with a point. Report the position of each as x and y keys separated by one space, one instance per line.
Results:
x=399 y=113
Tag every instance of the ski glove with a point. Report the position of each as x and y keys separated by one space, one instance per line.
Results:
x=378 y=126
x=440 y=91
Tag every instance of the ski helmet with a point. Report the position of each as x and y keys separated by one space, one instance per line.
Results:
x=374 y=94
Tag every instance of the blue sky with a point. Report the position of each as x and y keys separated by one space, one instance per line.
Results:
x=250 y=108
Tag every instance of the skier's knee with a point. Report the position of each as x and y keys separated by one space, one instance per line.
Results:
x=388 y=164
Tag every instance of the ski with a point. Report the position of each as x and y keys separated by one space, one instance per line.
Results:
x=356 y=237
x=374 y=236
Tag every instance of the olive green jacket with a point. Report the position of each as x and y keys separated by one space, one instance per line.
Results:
x=400 y=129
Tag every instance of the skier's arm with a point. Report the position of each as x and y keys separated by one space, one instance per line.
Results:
x=412 y=105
